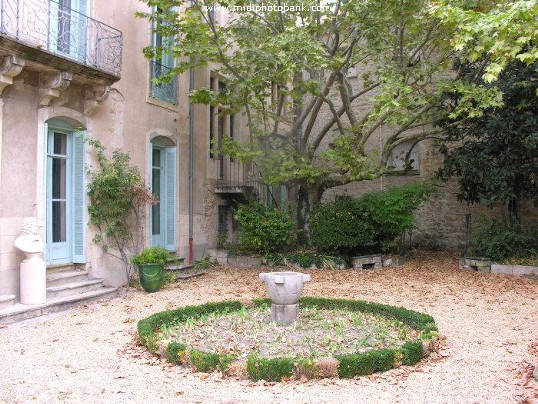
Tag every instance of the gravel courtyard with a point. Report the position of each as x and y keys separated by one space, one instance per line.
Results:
x=489 y=325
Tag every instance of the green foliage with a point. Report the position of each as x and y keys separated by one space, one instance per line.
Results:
x=235 y=250
x=350 y=226
x=493 y=156
x=174 y=352
x=264 y=57
x=269 y=369
x=505 y=31
x=293 y=116
x=204 y=263
x=501 y=240
x=305 y=259
x=151 y=255
x=263 y=229
x=412 y=352
x=117 y=194
x=207 y=361
x=365 y=363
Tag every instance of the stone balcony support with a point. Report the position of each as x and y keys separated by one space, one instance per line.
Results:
x=10 y=66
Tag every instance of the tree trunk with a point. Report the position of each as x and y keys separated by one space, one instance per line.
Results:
x=513 y=210
x=308 y=197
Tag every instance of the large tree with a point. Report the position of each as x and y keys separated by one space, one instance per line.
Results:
x=286 y=65
x=495 y=155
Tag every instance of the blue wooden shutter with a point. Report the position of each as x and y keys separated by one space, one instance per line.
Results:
x=170 y=203
x=79 y=197
x=46 y=194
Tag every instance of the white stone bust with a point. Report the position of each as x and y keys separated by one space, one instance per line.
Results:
x=29 y=241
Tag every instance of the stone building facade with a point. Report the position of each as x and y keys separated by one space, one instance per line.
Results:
x=75 y=69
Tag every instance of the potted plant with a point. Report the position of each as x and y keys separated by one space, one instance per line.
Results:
x=151 y=262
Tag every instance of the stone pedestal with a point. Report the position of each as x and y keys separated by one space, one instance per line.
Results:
x=480 y=264
x=33 y=271
x=33 y=277
x=284 y=314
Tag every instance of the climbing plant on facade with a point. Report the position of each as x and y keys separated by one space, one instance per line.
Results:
x=117 y=197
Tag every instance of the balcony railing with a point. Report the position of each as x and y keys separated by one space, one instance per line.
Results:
x=165 y=90
x=53 y=27
x=236 y=178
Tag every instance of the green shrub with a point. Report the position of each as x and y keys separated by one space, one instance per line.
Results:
x=305 y=259
x=204 y=263
x=341 y=227
x=174 y=352
x=208 y=361
x=263 y=230
x=269 y=369
x=365 y=363
x=151 y=255
x=351 y=226
x=500 y=240
x=412 y=352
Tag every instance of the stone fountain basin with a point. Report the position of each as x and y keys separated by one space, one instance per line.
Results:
x=284 y=287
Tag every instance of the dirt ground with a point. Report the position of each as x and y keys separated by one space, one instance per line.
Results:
x=489 y=325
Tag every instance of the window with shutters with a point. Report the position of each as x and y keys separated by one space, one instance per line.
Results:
x=167 y=89
x=65 y=194
x=163 y=187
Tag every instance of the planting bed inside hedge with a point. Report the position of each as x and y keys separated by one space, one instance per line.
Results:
x=331 y=338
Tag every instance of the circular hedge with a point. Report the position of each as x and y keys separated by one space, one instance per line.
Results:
x=275 y=369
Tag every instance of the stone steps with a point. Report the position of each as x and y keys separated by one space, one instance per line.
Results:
x=6 y=301
x=63 y=277
x=74 y=288
x=182 y=270
x=60 y=268
x=67 y=287
x=20 y=312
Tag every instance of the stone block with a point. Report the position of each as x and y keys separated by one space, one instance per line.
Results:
x=284 y=314
x=221 y=256
x=501 y=269
x=394 y=261
x=524 y=270
x=244 y=261
x=481 y=264
x=367 y=262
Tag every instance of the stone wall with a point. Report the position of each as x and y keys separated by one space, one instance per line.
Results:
x=441 y=222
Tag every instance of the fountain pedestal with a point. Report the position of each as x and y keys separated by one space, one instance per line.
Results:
x=284 y=314
x=284 y=289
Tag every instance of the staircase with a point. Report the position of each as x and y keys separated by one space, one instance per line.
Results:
x=182 y=270
x=67 y=287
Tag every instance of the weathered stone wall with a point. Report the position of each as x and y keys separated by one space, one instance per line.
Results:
x=441 y=222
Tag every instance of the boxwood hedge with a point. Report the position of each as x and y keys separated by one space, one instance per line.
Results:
x=274 y=369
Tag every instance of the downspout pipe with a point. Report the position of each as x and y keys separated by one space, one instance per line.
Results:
x=191 y=169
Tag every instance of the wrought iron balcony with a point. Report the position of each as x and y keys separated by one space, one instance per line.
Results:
x=54 y=27
x=239 y=181
x=165 y=90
